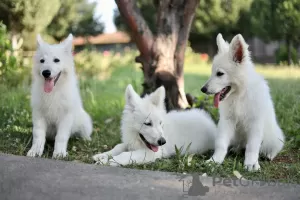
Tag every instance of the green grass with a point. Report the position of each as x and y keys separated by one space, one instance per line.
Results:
x=104 y=101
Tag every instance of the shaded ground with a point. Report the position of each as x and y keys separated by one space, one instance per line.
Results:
x=34 y=179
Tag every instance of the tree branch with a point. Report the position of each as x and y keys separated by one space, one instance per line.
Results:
x=186 y=22
x=140 y=31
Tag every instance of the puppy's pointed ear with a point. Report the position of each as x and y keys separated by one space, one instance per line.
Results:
x=221 y=43
x=131 y=97
x=39 y=41
x=158 y=96
x=68 y=43
x=238 y=49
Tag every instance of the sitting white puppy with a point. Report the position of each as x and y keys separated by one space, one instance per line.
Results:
x=148 y=132
x=57 y=109
x=247 y=115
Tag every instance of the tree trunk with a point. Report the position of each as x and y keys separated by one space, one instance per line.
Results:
x=162 y=55
x=289 y=51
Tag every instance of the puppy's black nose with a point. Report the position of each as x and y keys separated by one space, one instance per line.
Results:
x=161 y=141
x=46 y=73
x=204 y=89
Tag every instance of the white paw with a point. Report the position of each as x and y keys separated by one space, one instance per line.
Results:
x=33 y=153
x=113 y=163
x=59 y=154
x=101 y=158
x=36 y=150
x=251 y=161
x=214 y=160
x=271 y=156
x=122 y=159
x=209 y=160
x=252 y=167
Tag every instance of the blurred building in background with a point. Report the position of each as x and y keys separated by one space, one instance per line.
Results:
x=115 y=42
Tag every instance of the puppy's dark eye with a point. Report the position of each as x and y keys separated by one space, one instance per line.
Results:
x=56 y=60
x=148 y=123
x=220 y=73
x=42 y=60
x=160 y=123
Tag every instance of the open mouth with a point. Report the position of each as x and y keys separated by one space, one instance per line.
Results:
x=221 y=95
x=150 y=146
x=50 y=83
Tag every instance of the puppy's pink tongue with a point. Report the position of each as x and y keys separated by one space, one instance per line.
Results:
x=48 y=85
x=153 y=148
x=217 y=99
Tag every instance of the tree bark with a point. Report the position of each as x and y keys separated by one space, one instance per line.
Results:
x=162 y=55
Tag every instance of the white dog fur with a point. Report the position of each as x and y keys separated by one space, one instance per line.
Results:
x=57 y=110
x=147 y=116
x=247 y=116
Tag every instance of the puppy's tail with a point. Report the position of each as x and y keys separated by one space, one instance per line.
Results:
x=273 y=144
x=86 y=127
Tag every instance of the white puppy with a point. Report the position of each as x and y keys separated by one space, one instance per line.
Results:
x=57 y=109
x=247 y=116
x=148 y=132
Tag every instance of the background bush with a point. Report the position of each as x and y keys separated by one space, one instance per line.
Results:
x=12 y=71
x=8 y=62
x=98 y=65
x=282 y=55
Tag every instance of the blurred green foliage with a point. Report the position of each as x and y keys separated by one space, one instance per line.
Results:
x=282 y=55
x=8 y=62
x=56 y=18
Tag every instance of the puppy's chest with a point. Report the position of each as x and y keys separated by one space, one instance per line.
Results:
x=234 y=110
x=239 y=114
x=54 y=105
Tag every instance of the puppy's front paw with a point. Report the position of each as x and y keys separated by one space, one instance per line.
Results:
x=36 y=150
x=101 y=158
x=252 y=167
x=251 y=161
x=209 y=161
x=122 y=159
x=214 y=160
x=113 y=163
x=59 y=154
